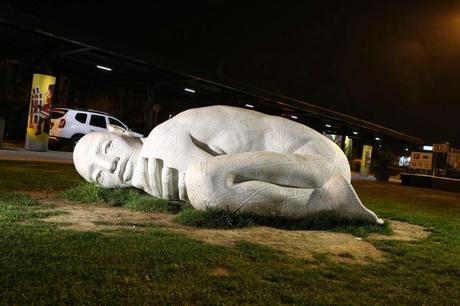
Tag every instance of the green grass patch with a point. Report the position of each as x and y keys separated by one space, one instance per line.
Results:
x=41 y=264
x=17 y=199
x=15 y=207
x=224 y=219
x=213 y=218
x=259 y=253
x=37 y=176
x=126 y=197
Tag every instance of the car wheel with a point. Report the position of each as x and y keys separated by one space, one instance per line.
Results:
x=75 y=139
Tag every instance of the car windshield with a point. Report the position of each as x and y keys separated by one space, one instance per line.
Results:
x=116 y=122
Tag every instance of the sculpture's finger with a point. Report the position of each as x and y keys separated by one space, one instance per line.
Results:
x=139 y=179
x=181 y=185
x=169 y=183
x=154 y=167
x=166 y=182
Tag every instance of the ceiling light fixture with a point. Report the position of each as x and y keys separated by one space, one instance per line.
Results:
x=104 y=68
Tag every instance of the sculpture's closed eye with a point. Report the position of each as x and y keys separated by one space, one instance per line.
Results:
x=107 y=146
x=99 y=177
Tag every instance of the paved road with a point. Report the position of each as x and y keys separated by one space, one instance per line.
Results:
x=14 y=151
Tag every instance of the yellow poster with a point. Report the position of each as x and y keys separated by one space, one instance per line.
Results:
x=38 y=122
x=366 y=160
x=348 y=149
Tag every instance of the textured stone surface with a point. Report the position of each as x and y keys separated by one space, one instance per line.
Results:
x=230 y=158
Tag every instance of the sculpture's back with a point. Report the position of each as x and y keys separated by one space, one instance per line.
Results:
x=199 y=133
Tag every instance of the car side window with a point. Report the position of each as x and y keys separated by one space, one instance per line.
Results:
x=116 y=122
x=98 y=121
x=81 y=117
x=55 y=114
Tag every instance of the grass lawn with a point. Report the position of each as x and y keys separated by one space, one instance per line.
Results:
x=41 y=264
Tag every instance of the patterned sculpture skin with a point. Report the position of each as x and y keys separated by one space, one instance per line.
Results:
x=230 y=158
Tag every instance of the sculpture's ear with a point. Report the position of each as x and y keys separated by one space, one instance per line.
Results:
x=115 y=129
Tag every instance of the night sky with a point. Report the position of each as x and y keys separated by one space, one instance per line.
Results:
x=395 y=63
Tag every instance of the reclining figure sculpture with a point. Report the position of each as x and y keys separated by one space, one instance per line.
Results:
x=229 y=158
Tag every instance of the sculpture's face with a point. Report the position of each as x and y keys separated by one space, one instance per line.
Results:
x=107 y=159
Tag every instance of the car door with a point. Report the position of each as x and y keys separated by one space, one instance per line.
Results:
x=97 y=123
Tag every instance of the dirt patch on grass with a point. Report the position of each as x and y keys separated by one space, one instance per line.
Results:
x=403 y=231
x=301 y=244
x=339 y=247
x=219 y=272
x=96 y=217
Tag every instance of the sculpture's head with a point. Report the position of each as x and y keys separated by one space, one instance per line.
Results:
x=107 y=158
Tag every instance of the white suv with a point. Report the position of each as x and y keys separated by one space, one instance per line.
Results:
x=71 y=124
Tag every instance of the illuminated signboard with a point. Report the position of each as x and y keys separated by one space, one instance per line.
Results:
x=421 y=160
x=440 y=147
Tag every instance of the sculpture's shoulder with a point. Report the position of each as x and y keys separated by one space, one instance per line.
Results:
x=218 y=113
x=207 y=122
x=165 y=135
x=172 y=143
x=201 y=121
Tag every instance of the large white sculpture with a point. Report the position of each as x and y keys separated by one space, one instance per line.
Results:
x=230 y=158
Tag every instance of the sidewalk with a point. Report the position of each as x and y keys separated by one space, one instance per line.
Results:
x=14 y=150
x=356 y=176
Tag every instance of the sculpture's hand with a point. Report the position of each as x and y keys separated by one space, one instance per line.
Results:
x=154 y=168
x=159 y=180
x=147 y=176
x=173 y=184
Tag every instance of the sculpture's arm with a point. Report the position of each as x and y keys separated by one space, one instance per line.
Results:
x=265 y=183
x=273 y=184
x=330 y=151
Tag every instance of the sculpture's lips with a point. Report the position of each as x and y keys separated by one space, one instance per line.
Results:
x=126 y=170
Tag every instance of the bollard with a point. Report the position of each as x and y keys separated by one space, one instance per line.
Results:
x=2 y=129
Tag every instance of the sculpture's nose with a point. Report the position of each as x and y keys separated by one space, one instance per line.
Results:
x=109 y=165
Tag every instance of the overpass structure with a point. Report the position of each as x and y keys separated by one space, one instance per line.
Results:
x=36 y=45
